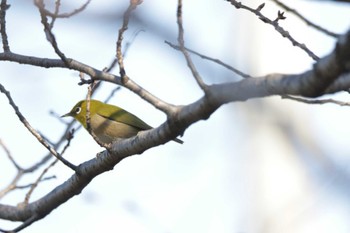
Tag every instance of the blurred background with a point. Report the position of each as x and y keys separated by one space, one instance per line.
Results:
x=264 y=165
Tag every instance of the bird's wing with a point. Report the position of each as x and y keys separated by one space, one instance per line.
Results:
x=115 y=113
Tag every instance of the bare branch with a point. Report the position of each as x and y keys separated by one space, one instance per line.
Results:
x=12 y=186
x=181 y=41
x=94 y=73
x=14 y=183
x=3 y=8
x=126 y=17
x=340 y=84
x=41 y=177
x=124 y=80
x=69 y=14
x=236 y=71
x=304 y=19
x=329 y=75
x=126 y=48
x=8 y=153
x=25 y=224
x=48 y=31
x=22 y=171
x=274 y=23
x=317 y=101
x=57 y=9
x=112 y=94
x=33 y=131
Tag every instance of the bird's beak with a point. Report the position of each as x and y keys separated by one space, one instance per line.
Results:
x=67 y=114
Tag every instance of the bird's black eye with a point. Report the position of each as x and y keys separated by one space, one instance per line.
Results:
x=77 y=110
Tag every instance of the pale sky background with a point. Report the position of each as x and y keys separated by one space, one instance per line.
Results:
x=267 y=165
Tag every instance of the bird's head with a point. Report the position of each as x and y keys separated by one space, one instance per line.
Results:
x=78 y=112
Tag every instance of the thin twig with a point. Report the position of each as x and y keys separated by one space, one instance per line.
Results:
x=181 y=41
x=22 y=171
x=33 y=131
x=316 y=101
x=95 y=74
x=67 y=15
x=126 y=49
x=131 y=41
x=40 y=178
x=274 y=23
x=112 y=94
x=215 y=60
x=126 y=17
x=13 y=184
x=34 y=185
x=3 y=8
x=48 y=32
x=54 y=16
x=8 y=153
x=302 y=18
x=46 y=158
x=25 y=224
x=43 y=179
x=46 y=138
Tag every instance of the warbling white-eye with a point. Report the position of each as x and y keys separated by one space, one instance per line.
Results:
x=109 y=122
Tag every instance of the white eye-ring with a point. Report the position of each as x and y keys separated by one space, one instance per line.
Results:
x=77 y=110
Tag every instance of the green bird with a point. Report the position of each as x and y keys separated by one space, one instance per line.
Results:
x=109 y=122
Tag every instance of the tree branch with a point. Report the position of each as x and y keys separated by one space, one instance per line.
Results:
x=181 y=41
x=94 y=73
x=274 y=23
x=217 y=61
x=69 y=14
x=3 y=8
x=48 y=30
x=302 y=18
x=126 y=17
x=317 y=101
x=33 y=131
